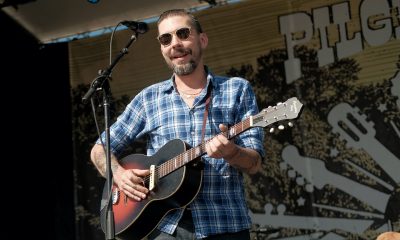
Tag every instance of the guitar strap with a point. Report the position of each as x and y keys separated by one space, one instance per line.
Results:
x=205 y=116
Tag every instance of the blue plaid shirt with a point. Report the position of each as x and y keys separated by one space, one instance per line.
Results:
x=160 y=113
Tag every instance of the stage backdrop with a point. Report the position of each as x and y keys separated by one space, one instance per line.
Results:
x=336 y=173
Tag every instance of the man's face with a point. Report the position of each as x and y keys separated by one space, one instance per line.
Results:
x=182 y=55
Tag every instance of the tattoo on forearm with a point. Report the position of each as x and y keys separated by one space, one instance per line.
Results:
x=247 y=169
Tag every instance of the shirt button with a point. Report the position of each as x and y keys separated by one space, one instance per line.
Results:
x=192 y=133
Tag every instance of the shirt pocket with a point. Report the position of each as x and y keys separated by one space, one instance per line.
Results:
x=221 y=115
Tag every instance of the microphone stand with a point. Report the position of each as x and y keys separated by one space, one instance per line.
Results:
x=102 y=83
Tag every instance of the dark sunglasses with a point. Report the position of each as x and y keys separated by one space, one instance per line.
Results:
x=166 y=38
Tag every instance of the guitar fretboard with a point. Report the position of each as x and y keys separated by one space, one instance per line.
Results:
x=193 y=153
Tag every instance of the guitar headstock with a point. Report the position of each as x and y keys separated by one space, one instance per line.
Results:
x=282 y=111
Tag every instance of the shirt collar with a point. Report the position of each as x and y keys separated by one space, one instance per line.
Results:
x=169 y=85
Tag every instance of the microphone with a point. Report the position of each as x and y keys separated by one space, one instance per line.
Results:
x=138 y=27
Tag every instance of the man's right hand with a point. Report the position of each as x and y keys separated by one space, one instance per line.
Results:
x=131 y=182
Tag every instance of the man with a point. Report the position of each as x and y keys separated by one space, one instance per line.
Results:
x=174 y=109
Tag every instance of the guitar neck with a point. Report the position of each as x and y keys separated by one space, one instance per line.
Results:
x=195 y=152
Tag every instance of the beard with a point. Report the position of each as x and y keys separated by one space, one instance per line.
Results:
x=185 y=68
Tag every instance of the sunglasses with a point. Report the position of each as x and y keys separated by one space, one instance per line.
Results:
x=166 y=38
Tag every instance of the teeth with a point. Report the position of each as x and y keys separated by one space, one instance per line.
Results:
x=179 y=56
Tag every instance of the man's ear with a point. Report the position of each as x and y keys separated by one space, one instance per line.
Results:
x=203 y=40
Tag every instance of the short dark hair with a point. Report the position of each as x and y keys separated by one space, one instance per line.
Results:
x=180 y=12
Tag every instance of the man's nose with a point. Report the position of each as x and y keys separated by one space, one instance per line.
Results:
x=175 y=40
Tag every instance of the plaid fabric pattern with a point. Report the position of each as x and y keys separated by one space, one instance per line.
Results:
x=160 y=113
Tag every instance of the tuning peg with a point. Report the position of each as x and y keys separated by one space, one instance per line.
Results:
x=283 y=166
x=309 y=188
x=281 y=127
x=279 y=103
x=291 y=173
x=281 y=209
x=300 y=181
x=271 y=130
x=290 y=124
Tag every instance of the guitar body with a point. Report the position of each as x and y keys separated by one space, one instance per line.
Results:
x=136 y=220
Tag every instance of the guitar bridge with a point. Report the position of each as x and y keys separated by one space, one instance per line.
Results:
x=153 y=177
x=115 y=196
